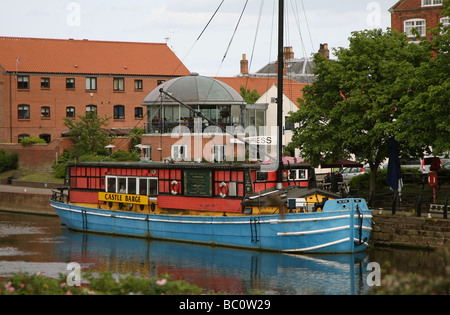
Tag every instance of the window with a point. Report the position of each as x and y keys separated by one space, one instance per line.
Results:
x=45 y=111
x=159 y=82
x=23 y=111
x=426 y=3
x=23 y=82
x=91 y=108
x=119 y=84
x=70 y=83
x=299 y=174
x=138 y=112
x=46 y=137
x=445 y=21
x=45 y=83
x=418 y=24
x=288 y=125
x=70 y=112
x=219 y=153
x=179 y=152
x=91 y=84
x=138 y=85
x=119 y=112
x=21 y=137
x=132 y=185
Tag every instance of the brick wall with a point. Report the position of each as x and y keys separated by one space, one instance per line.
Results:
x=412 y=9
x=58 y=98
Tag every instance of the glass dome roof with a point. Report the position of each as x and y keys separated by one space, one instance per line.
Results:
x=195 y=89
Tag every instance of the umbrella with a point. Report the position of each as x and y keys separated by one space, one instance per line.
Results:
x=394 y=174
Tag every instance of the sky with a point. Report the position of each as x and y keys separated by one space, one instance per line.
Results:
x=180 y=22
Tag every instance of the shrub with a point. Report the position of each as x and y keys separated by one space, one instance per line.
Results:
x=105 y=283
x=32 y=140
x=8 y=161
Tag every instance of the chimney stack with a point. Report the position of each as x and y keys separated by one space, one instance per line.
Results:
x=324 y=51
x=244 y=65
x=288 y=53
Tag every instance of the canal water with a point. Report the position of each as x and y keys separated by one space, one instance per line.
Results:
x=35 y=244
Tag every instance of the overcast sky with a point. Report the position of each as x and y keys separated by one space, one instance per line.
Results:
x=180 y=22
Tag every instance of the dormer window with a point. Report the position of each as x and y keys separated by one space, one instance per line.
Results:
x=428 y=3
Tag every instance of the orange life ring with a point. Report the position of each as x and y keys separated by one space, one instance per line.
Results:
x=174 y=187
x=223 y=189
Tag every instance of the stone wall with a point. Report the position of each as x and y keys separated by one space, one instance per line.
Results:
x=26 y=203
x=407 y=231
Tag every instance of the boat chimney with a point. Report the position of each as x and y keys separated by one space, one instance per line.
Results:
x=324 y=51
x=244 y=65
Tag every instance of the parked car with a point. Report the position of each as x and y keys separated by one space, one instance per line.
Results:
x=350 y=172
x=446 y=166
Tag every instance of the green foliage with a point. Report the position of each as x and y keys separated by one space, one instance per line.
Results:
x=136 y=138
x=401 y=283
x=118 y=156
x=8 y=161
x=32 y=140
x=88 y=134
x=105 y=283
x=362 y=182
x=250 y=97
x=365 y=97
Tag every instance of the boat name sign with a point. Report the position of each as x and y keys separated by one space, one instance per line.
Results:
x=133 y=199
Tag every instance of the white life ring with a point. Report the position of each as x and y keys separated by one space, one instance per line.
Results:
x=174 y=187
x=223 y=189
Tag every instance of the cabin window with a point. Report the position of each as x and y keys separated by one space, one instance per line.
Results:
x=300 y=174
x=122 y=185
x=133 y=185
x=111 y=184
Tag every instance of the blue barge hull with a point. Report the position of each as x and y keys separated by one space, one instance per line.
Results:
x=344 y=226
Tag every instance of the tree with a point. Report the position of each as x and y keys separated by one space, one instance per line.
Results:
x=250 y=97
x=425 y=116
x=88 y=133
x=353 y=106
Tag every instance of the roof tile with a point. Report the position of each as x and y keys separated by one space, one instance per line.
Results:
x=37 y=55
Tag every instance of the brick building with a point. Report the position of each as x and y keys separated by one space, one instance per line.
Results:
x=419 y=14
x=43 y=81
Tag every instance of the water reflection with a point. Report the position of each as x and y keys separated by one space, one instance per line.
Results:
x=221 y=269
x=40 y=244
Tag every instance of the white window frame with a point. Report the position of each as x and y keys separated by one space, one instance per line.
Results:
x=431 y=3
x=219 y=153
x=138 y=183
x=421 y=28
x=175 y=152
x=298 y=174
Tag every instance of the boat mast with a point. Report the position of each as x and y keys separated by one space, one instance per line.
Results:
x=280 y=92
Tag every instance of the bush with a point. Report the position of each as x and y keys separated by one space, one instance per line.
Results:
x=363 y=181
x=32 y=140
x=8 y=161
x=102 y=284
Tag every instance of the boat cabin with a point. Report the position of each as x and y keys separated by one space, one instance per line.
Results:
x=167 y=187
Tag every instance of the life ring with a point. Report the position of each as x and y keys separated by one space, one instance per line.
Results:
x=174 y=187
x=223 y=189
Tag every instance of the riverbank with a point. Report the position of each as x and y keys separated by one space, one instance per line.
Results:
x=400 y=230
x=27 y=200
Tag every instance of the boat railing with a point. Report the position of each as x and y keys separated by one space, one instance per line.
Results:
x=59 y=194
